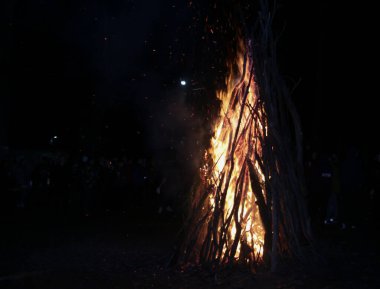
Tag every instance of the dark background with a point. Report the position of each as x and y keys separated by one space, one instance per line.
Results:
x=100 y=81
x=84 y=70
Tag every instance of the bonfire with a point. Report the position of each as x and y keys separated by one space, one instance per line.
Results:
x=249 y=206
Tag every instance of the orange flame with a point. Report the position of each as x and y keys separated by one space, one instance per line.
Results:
x=238 y=133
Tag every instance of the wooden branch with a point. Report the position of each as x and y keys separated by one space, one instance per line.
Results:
x=264 y=210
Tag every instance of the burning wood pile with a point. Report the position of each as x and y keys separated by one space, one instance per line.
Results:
x=249 y=205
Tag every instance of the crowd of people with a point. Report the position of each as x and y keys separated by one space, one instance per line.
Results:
x=64 y=185
x=343 y=188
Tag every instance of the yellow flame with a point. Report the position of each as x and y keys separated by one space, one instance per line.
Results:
x=247 y=141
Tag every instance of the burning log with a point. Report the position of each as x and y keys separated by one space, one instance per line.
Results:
x=250 y=207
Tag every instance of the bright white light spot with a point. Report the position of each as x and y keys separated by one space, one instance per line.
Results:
x=183 y=82
x=55 y=137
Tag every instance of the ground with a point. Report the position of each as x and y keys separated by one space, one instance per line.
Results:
x=124 y=253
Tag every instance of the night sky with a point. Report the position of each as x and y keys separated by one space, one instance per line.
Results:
x=105 y=75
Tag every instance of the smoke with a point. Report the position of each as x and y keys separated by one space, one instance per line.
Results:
x=176 y=137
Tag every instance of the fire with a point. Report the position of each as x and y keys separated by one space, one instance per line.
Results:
x=238 y=135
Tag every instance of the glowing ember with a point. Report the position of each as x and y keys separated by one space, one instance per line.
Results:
x=238 y=134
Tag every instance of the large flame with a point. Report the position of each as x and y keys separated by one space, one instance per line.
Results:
x=238 y=134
